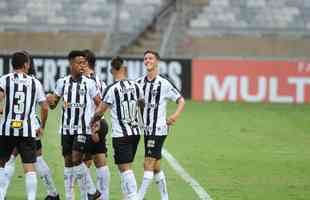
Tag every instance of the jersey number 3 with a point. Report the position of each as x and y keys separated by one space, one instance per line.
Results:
x=20 y=103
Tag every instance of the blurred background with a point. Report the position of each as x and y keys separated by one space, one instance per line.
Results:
x=176 y=28
x=253 y=54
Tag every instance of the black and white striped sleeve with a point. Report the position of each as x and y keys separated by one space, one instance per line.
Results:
x=172 y=92
x=108 y=97
x=40 y=94
x=2 y=84
x=59 y=87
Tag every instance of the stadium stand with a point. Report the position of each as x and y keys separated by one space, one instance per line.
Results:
x=69 y=20
x=128 y=27
x=251 y=17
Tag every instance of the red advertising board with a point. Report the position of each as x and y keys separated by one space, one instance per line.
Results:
x=251 y=81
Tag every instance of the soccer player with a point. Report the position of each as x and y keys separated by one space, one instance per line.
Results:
x=124 y=98
x=77 y=93
x=98 y=150
x=40 y=165
x=21 y=93
x=157 y=90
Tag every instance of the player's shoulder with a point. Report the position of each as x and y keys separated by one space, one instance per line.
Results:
x=164 y=79
x=140 y=79
x=7 y=75
x=112 y=86
x=64 y=78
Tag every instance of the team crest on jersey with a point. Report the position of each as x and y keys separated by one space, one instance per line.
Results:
x=82 y=91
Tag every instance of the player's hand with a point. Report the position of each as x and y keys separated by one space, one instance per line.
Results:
x=39 y=132
x=171 y=120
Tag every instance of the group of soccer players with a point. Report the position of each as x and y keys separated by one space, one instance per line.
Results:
x=136 y=106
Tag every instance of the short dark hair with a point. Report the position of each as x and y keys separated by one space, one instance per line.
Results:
x=156 y=54
x=90 y=57
x=117 y=62
x=32 y=70
x=75 y=53
x=19 y=59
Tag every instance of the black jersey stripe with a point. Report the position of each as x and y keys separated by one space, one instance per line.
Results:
x=63 y=108
x=84 y=109
x=119 y=111
x=77 y=109
x=157 y=98
x=148 y=120
x=7 y=103
x=69 y=108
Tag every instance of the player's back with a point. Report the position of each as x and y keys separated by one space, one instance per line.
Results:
x=123 y=97
x=21 y=94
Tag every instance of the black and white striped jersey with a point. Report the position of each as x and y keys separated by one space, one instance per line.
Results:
x=123 y=97
x=22 y=92
x=101 y=85
x=157 y=93
x=77 y=96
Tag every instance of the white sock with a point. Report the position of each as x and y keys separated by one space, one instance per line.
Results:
x=129 y=184
x=69 y=183
x=82 y=184
x=46 y=176
x=160 y=179
x=9 y=169
x=80 y=174
x=147 y=179
x=31 y=185
x=2 y=183
x=103 y=181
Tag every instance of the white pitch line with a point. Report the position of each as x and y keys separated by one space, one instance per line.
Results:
x=203 y=195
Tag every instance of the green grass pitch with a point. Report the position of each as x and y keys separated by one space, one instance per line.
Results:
x=236 y=151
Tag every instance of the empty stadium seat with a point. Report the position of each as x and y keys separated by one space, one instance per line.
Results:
x=256 y=16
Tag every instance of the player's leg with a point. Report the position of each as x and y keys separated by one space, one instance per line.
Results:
x=45 y=174
x=149 y=163
x=160 y=177
x=100 y=161
x=124 y=153
x=80 y=170
x=10 y=169
x=27 y=149
x=153 y=146
x=7 y=144
x=103 y=175
x=161 y=181
x=87 y=161
x=66 y=143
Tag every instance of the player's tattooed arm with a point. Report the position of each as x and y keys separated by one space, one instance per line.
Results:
x=52 y=100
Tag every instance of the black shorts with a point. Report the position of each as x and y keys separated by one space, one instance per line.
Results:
x=26 y=147
x=78 y=142
x=125 y=148
x=153 y=145
x=100 y=147
x=38 y=144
